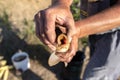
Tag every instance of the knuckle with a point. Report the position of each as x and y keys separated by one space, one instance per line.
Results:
x=46 y=43
x=47 y=12
x=36 y=16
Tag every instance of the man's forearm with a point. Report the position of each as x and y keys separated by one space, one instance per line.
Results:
x=64 y=2
x=103 y=21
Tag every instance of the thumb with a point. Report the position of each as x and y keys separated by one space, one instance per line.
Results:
x=70 y=29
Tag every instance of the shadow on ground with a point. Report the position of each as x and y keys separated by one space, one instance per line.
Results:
x=10 y=43
x=29 y=75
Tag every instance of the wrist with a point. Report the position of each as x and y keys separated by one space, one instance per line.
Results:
x=78 y=28
x=66 y=3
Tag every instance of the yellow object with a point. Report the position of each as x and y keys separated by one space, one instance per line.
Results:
x=5 y=77
x=4 y=70
x=1 y=57
x=3 y=67
x=1 y=73
x=3 y=62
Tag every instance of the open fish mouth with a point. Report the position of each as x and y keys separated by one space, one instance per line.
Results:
x=62 y=47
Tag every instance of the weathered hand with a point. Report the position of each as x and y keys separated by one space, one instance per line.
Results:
x=48 y=18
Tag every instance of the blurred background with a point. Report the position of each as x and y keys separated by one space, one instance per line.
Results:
x=17 y=32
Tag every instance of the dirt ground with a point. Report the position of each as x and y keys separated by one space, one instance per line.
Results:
x=41 y=71
x=17 y=31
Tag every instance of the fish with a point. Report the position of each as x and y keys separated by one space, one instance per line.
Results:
x=63 y=45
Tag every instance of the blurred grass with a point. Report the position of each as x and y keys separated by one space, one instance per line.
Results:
x=4 y=20
x=75 y=9
x=17 y=27
x=17 y=30
x=17 y=17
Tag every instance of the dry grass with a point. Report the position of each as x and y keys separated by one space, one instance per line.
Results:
x=21 y=13
x=17 y=32
x=23 y=9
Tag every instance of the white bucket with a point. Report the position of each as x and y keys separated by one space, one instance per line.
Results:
x=23 y=63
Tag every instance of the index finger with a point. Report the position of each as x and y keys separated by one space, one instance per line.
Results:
x=50 y=27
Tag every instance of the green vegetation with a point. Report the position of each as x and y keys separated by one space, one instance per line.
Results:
x=4 y=20
x=75 y=8
x=17 y=31
x=18 y=25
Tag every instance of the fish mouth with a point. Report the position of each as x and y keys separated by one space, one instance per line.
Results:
x=62 y=47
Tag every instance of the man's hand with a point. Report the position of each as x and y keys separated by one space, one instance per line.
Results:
x=46 y=20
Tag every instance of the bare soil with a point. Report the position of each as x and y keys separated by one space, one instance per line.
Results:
x=17 y=31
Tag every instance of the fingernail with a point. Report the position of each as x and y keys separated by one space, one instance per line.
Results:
x=69 y=39
x=53 y=48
